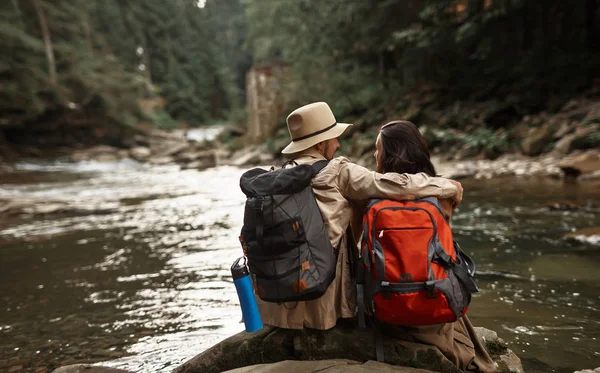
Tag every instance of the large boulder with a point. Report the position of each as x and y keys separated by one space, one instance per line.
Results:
x=568 y=142
x=506 y=360
x=326 y=366
x=597 y=370
x=584 y=163
x=140 y=153
x=536 y=140
x=590 y=235
x=345 y=341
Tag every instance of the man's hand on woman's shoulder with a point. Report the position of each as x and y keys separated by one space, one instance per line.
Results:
x=457 y=198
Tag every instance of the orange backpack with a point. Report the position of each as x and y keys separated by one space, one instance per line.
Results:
x=411 y=271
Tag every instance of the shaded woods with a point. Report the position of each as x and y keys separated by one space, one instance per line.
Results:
x=93 y=71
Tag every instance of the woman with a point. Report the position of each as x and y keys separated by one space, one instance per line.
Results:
x=401 y=148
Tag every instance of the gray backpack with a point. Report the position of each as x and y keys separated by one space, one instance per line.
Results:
x=284 y=237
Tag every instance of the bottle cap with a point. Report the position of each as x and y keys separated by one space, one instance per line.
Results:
x=239 y=270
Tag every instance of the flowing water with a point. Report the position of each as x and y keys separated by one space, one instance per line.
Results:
x=141 y=280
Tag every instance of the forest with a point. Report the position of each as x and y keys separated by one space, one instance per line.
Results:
x=87 y=68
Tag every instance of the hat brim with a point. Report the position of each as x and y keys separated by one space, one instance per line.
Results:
x=298 y=146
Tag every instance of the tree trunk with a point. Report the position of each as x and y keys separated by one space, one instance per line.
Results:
x=47 y=41
x=146 y=56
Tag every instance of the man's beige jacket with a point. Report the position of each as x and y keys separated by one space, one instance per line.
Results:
x=342 y=190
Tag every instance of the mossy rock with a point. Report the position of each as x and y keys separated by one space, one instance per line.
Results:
x=345 y=341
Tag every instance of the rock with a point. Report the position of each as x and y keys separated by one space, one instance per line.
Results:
x=100 y=153
x=581 y=164
x=564 y=128
x=271 y=345
x=230 y=132
x=108 y=157
x=536 y=140
x=593 y=113
x=99 y=149
x=265 y=158
x=327 y=366
x=570 y=206
x=506 y=360
x=345 y=341
x=490 y=340
x=466 y=151
x=141 y=140
x=6 y=168
x=160 y=160
x=200 y=164
x=589 y=235
x=597 y=370
x=86 y=368
x=191 y=156
x=140 y=153
x=222 y=155
x=565 y=145
x=246 y=157
x=590 y=177
x=509 y=362
x=171 y=149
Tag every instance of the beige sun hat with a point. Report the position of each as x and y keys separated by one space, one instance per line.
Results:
x=311 y=124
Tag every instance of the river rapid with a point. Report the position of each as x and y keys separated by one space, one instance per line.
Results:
x=141 y=281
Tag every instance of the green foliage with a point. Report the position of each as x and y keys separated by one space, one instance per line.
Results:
x=86 y=80
x=164 y=121
x=108 y=55
x=479 y=140
x=485 y=140
x=367 y=59
x=358 y=54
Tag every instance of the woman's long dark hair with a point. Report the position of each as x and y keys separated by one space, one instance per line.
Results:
x=404 y=149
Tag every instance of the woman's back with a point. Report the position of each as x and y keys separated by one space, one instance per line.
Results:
x=401 y=148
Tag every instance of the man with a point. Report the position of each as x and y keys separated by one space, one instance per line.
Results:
x=342 y=190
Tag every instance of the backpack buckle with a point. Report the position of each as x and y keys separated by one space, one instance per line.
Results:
x=385 y=290
x=430 y=287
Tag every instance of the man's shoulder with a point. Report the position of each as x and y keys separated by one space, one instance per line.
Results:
x=337 y=171
x=339 y=160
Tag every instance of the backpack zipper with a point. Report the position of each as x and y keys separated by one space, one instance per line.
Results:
x=399 y=229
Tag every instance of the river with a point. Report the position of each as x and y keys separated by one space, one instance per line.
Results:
x=141 y=281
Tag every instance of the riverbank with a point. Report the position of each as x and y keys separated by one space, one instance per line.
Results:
x=161 y=148
x=467 y=139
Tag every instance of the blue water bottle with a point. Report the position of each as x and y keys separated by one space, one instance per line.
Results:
x=243 y=286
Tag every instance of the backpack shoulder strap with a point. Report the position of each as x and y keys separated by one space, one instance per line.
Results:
x=319 y=165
